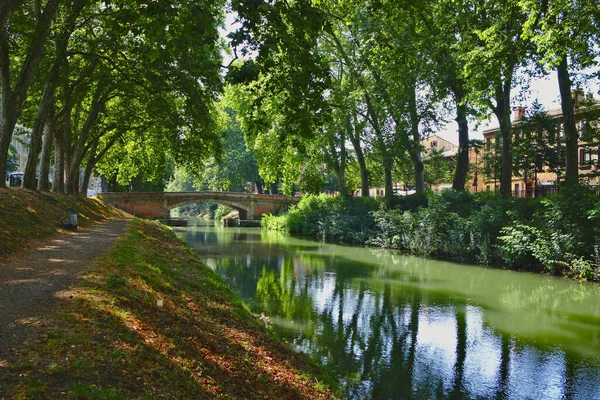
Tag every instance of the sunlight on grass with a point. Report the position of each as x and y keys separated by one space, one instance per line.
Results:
x=112 y=339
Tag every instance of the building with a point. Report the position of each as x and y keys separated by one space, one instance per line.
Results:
x=538 y=171
x=435 y=143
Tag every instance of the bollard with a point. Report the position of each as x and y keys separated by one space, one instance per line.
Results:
x=73 y=220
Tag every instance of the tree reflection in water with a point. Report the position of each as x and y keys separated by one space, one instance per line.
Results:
x=401 y=327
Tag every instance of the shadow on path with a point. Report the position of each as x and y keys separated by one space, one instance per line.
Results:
x=29 y=287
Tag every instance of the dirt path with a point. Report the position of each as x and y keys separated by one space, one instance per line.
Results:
x=30 y=287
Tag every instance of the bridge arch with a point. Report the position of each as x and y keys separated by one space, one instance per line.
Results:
x=159 y=205
x=241 y=208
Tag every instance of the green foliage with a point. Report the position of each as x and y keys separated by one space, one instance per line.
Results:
x=236 y=168
x=452 y=224
x=485 y=225
x=11 y=162
x=338 y=219
x=312 y=179
x=275 y=223
x=561 y=237
x=222 y=211
x=412 y=202
x=516 y=244
x=180 y=181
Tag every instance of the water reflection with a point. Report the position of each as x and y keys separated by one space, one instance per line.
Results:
x=402 y=327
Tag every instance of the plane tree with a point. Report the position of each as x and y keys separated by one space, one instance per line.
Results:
x=566 y=35
x=22 y=37
x=101 y=56
x=491 y=52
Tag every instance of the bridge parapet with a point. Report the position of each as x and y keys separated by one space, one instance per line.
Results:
x=159 y=205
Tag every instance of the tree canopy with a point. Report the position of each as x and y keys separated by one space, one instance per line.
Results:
x=134 y=91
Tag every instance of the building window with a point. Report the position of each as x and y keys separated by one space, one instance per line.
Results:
x=434 y=144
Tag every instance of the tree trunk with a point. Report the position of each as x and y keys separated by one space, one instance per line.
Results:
x=8 y=121
x=259 y=186
x=12 y=99
x=94 y=157
x=571 y=134
x=72 y=181
x=37 y=133
x=506 y=165
x=387 y=159
x=342 y=174
x=339 y=163
x=462 y=158
x=89 y=167
x=365 y=187
x=360 y=157
x=388 y=164
x=502 y=111
x=78 y=152
x=58 y=186
x=47 y=100
x=415 y=146
x=44 y=184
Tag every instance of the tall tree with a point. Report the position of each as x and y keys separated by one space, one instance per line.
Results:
x=492 y=52
x=22 y=37
x=566 y=34
x=442 y=28
x=60 y=35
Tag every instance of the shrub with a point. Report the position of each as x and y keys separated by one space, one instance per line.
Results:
x=516 y=244
x=275 y=223
x=412 y=202
x=338 y=219
x=561 y=236
x=222 y=211
x=456 y=225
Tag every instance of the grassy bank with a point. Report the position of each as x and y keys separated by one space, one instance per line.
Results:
x=559 y=234
x=28 y=216
x=150 y=320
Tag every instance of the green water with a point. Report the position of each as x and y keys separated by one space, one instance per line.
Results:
x=392 y=326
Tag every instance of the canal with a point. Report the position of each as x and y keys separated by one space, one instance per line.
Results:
x=392 y=326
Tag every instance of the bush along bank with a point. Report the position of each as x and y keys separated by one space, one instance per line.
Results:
x=335 y=219
x=558 y=234
x=149 y=320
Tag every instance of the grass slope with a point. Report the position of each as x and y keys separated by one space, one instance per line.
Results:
x=150 y=320
x=27 y=216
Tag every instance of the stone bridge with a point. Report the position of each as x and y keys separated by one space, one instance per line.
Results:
x=159 y=205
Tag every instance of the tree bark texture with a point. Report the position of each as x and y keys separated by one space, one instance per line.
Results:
x=36 y=138
x=415 y=146
x=78 y=152
x=570 y=127
x=47 y=99
x=58 y=185
x=360 y=157
x=44 y=184
x=502 y=111
x=462 y=158
x=13 y=98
